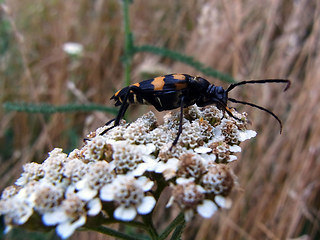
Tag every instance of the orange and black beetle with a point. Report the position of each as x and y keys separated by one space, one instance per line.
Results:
x=180 y=91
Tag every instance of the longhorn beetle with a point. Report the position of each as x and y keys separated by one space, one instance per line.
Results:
x=180 y=91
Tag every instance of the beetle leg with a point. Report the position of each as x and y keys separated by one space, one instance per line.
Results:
x=112 y=120
x=123 y=109
x=180 y=124
x=225 y=108
x=231 y=115
x=120 y=115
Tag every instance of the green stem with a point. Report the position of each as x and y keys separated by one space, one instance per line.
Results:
x=147 y=219
x=49 y=108
x=100 y=220
x=161 y=184
x=176 y=235
x=184 y=59
x=111 y=232
x=128 y=42
x=179 y=220
x=128 y=46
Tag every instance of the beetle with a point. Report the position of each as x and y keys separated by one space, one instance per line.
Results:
x=180 y=91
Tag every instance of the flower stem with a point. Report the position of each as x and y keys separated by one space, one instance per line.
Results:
x=111 y=232
x=128 y=42
x=147 y=219
x=177 y=223
x=161 y=184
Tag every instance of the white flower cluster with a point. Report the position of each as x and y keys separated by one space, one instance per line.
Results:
x=118 y=175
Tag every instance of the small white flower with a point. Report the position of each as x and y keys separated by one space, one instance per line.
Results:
x=190 y=197
x=132 y=158
x=31 y=171
x=68 y=216
x=98 y=174
x=128 y=194
x=17 y=211
x=84 y=191
x=73 y=48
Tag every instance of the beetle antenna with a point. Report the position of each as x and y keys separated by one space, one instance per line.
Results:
x=233 y=85
x=259 y=107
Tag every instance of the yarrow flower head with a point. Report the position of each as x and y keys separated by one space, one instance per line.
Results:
x=119 y=176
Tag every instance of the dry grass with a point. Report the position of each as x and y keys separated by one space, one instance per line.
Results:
x=279 y=191
x=279 y=173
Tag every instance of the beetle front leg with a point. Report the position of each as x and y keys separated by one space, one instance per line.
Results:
x=123 y=109
x=120 y=115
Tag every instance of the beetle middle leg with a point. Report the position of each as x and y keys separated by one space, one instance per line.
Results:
x=180 y=124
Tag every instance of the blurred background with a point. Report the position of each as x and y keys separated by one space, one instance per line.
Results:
x=278 y=196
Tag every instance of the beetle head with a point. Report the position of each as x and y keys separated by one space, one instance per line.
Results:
x=217 y=95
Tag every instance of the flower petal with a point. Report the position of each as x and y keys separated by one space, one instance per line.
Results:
x=235 y=148
x=107 y=192
x=245 y=135
x=223 y=202
x=87 y=194
x=170 y=202
x=232 y=158
x=66 y=229
x=188 y=215
x=8 y=229
x=172 y=163
x=142 y=167
x=207 y=208
x=53 y=218
x=202 y=149
x=145 y=183
x=125 y=214
x=25 y=216
x=94 y=206
x=147 y=205
x=184 y=180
